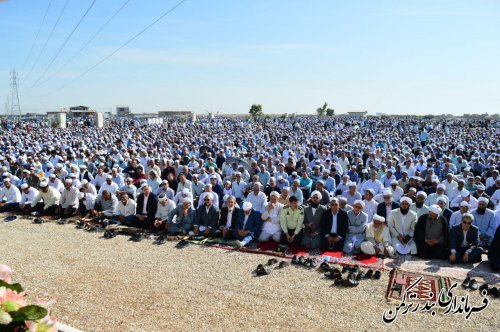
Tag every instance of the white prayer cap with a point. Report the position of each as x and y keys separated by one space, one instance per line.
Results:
x=82 y=167
x=24 y=186
x=59 y=166
x=422 y=193
x=464 y=193
x=84 y=181
x=394 y=182
x=316 y=193
x=52 y=176
x=186 y=200
x=379 y=218
x=441 y=186
x=209 y=195
x=387 y=193
x=144 y=185
x=6 y=180
x=480 y=187
x=442 y=199
x=275 y=193
x=405 y=199
x=351 y=184
x=483 y=199
x=360 y=202
x=247 y=206
x=206 y=186
x=294 y=173
x=162 y=198
x=464 y=203
x=371 y=191
x=280 y=178
x=43 y=184
x=80 y=195
x=435 y=209
x=286 y=188
x=185 y=191
x=26 y=171
x=68 y=181
x=226 y=197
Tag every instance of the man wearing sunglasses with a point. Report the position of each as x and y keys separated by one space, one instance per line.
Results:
x=464 y=242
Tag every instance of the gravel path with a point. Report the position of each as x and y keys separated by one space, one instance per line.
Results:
x=118 y=285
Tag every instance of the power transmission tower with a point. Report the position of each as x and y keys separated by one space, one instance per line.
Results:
x=15 y=107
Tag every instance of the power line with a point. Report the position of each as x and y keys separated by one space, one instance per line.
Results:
x=47 y=41
x=36 y=37
x=88 y=42
x=63 y=45
x=118 y=49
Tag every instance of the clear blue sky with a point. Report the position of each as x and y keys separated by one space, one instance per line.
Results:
x=412 y=56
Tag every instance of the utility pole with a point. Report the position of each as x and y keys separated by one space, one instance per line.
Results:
x=15 y=107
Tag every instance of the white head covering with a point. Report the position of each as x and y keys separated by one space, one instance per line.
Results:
x=275 y=193
x=435 y=209
x=405 y=199
x=379 y=218
x=316 y=193
x=247 y=206
x=483 y=199
x=24 y=186
x=186 y=200
x=422 y=193
x=358 y=201
x=80 y=195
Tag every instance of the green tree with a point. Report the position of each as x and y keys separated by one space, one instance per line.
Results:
x=330 y=111
x=325 y=110
x=256 y=110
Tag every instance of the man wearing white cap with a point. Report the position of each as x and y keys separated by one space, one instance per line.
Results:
x=10 y=196
x=208 y=191
x=271 y=219
x=248 y=225
x=183 y=194
x=164 y=188
x=227 y=218
x=165 y=206
x=456 y=217
x=484 y=219
x=181 y=219
x=89 y=188
x=85 y=174
x=109 y=185
x=207 y=217
x=384 y=209
x=432 y=198
x=87 y=204
x=397 y=192
x=378 y=238
x=282 y=182
x=28 y=195
x=351 y=194
x=69 y=202
x=401 y=224
x=464 y=196
x=447 y=213
x=419 y=206
x=432 y=235
x=50 y=200
x=257 y=198
x=56 y=183
x=373 y=183
x=357 y=227
x=312 y=220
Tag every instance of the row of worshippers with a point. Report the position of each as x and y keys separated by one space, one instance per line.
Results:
x=394 y=228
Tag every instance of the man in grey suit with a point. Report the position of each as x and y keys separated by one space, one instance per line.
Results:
x=464 y=242
x=357 y=227
x=312 y=218
x=207 y=217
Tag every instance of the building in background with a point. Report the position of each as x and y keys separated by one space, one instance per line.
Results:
x=122 y=111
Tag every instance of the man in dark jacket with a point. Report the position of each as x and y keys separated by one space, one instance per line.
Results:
x=147 y=204
x=431 y=235
x=384 y=209
x=494 y=251
x=207 y=218
x=464 y=242
x=248 y=225
x=228 y=218
x=334 y=226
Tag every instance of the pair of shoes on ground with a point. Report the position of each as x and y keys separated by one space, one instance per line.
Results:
x=137 y=237
x=162 y=239
x=307 y=262
x=38 y=220
x=182 y=244
x=493 y=291
x=470 y=283
x=281 y=264
x=262 y=271
x=109 y=234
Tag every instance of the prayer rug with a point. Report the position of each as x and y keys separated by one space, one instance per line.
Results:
x=426 y=289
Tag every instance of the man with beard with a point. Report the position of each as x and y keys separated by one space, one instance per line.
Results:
x=335 y=224
x=271 y=227
x=484 y=219
x=357 y=227
x=227 y=218
x=447 y=213
x=431 y=235
x=419 y=206
x=432 y=198
x=464 y=242
x=207 y=217
x=378 y=238
x=312 y=218
x=384 y=209
x=456 y=217
x=402 y=223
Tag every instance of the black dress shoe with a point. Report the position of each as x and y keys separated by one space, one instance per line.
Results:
x=494 y=292
x=350 y=282
x=301 y=260
x=162 y=239
x=295 y=261
x=360 y=275
x=355 y=268
x=369 y=274
x=182 y=244
x=377 y=275
x=325 y=267
x=80 y=225
x=261 y=270
x=346 y=268
x=466 y=283
x=484 y=287
x=338 y=282
x=272 y=261
x=109 y=234
x=313 y=262
x=62 y=222
x=38 y=220
x=282 y=264
x=137 y=237
x=334 y=274
x=473 y=284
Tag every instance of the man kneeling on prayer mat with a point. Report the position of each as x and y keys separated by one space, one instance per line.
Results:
x=181 y=219
x=378 y=238
x=165 y=206
x=207 y=217
x=401 y=224
x=431 y=235
x=125 y=210
x=464 y=242
x=248 y=226
x=227 y=218
x=50 y=200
